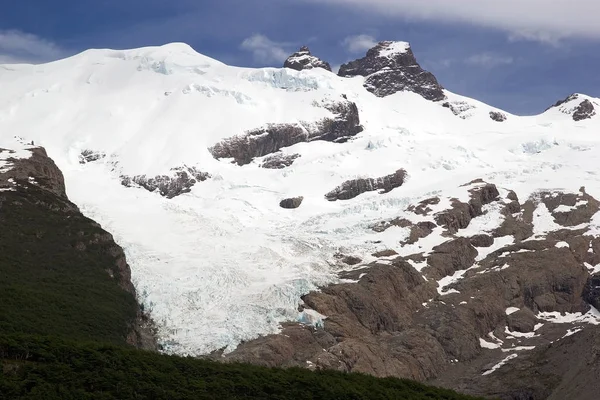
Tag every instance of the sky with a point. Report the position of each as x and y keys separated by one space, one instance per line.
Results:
x=518 y=55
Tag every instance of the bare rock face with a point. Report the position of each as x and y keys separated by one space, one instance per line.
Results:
x=303 y=59
x=391 y=67
x=352 y=188
x=497 y=116
x=169 y=186
x=273 y=137
x=279 y=160
x=291 y=203
x=38 y=166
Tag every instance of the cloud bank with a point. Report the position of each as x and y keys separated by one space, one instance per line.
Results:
x=265 y=50
x=542 y=20
x=21 y=47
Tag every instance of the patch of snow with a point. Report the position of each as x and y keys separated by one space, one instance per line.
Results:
x=488 y=345
x=562 y=245
x=512 y=310
x=393 y=49
x=591 y=317
x=501 y=363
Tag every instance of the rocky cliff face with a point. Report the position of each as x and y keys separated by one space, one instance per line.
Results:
x=33 y=186
x=511 y=295
x=273 y=137
x=303 y=59
x=391 y=67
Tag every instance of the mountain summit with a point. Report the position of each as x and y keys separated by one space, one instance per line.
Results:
x=303 y=59
x=390 y=67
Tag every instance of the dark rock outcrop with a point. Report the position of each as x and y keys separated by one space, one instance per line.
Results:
x=352 y=188
x=391 y=67
x=497 y=116
x=169 y=186
x=273 y=137
x=291 y=203
x=578 y=109
x=303 y=59
x=87 y=156
x=279 y=161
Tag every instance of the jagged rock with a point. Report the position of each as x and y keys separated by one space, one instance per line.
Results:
x=273 y=137
x=449 y=257
x=290 y=203
x=570 y=209
x=169 y=186
x=482 y=240
x=385 y=253
x=497 y=116
x=459 y=108
x=349 y=260
x=419 y=231
x=460 y=215
x=585 y=110
x=352 y=188
x=423 y=207
x=87 y=156
x=303 y=59
x=579 y=110
x=390 y=67
x=591 y=292
x=523 y=320
x=39 y=166
x=279 y=161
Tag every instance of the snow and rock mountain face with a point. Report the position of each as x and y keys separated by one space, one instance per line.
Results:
x=457 y=229
x=303 y=59
x=391 y=67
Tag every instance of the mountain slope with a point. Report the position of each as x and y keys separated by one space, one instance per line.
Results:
x=221 y=262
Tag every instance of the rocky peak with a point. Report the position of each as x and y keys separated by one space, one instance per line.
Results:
x=391 y=67
x=578 y=106
x=303 y=59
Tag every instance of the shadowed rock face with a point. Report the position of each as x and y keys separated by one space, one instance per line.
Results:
x=303 y=59
x=395 y=320
x=352 y=188
x=585 y=110
x=391 y=67
x=169 y=186
x=273 y=137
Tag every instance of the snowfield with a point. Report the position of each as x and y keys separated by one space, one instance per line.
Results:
x=224 y=263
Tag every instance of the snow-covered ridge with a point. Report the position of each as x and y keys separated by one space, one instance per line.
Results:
x=391 y=49
x=224 y=263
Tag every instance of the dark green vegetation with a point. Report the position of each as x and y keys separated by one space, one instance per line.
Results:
x=55 y=269
x=67 y=308
x=38 y=368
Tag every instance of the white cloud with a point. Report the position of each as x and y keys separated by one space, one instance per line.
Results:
x=359 y=43
x=265 y=50
x=21 y=47
x=544 y=20
x=489 y=60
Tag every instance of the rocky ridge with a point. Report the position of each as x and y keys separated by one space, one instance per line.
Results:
x=273 y=137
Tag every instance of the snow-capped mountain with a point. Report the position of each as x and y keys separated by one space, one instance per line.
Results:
x=185 y=160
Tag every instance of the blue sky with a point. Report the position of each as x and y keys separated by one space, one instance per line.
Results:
x=518 y=55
